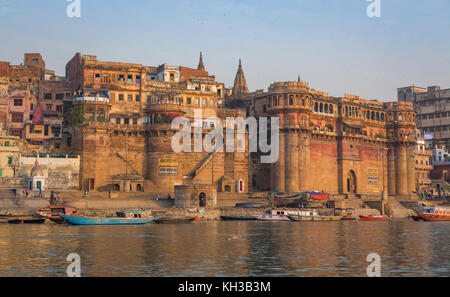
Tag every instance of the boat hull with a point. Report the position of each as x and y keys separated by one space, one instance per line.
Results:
x=27 y=221
x=434 y=217
x=372 y=218
x=227 y=218
x=74 y=220
x=272 y=218
x=173 y=221
x=296 y=218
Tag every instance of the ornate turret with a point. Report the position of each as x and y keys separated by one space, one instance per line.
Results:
x=240 y=83
x=201 y=66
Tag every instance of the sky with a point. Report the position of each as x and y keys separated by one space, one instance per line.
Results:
x=332 y=44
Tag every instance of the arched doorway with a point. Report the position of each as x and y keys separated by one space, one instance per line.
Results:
x=139 y=188
x=202 y=200
x=351 y=182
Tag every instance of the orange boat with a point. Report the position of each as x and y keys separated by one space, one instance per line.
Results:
x=437 y=213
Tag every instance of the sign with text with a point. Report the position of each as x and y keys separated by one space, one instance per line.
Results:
x=372 y=176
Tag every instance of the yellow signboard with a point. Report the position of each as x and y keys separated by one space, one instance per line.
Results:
x=168 y=161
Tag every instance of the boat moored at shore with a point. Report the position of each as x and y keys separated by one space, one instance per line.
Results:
x=435 y=213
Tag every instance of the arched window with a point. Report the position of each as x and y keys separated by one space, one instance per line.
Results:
x=378 y=116
x=373 y=115
x=382 y=117
x=326 y=108
x=316 y=107
x=331 y=109
x=321 y=107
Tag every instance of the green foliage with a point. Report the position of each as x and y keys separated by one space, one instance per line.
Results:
x=76 y=115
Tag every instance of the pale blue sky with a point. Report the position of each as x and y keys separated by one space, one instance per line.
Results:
x=332 y=44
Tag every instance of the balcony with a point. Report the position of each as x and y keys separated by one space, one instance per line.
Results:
x=92 y=99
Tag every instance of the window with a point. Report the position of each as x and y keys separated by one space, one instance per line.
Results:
x=138 y=79
x=59 y=96
x=46 y=130
x=18 y=102
x=31 y=106
x=35 y=61
x=291 y=101
x=204 y=102
x=149 y=98
x=118 y=121
x=48 y=96
x=130 y=79
x=137 y=98
x=121 y=77
x=10 y=160
x=197 y=101
x=135 y=121
x=188 y=100
x=127 y=121
x=59 y=108
x=97 y=77
x=120 y=97
x=49 y=107
x=17 y=117
x=130 y=98
x=211 y=102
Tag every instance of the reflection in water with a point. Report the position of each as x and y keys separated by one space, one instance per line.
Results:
x=228 y=249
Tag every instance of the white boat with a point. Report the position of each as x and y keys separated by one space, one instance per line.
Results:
x=282 y=214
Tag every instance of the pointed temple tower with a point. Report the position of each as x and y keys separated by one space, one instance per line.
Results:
x=201 y=66
x=240 y=83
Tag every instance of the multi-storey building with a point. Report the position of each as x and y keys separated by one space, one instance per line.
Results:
x=433 y=110
x=121 y=120
x=423 y=156
x=345 y=146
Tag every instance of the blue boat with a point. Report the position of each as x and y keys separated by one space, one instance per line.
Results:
x=78 y=220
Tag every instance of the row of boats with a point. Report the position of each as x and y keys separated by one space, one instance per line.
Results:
x=309 y=215
x=66 y=214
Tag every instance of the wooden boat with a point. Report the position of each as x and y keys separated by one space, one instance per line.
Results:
x=372 y=218
x=348 y=218
x=249 y=205
x=27 y=221
x=237 y=218
x=435 y=213
x=79 y=220
x=11 y=216
x=278 y=215
x=169 y=220
x=297 y=218
x=53 y=212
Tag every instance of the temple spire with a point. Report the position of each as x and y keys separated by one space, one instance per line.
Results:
x=201 y=66
x=240 y=83
x=299 y=80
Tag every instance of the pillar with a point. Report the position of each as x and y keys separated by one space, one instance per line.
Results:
x=291 y=159
x=303 y=161
x=391 y=171
x=401 y=171
x=411 y=169
x=278 y=168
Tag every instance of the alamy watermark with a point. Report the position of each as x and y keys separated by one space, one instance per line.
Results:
x=374 y=9
x=74 y=268
x=214 y=140
x=374 y=268
x=74 y=9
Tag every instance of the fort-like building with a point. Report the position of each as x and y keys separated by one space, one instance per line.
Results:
x=117 y=117
x=345 y=146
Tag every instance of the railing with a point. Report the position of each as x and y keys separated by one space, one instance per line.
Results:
x=93 y=99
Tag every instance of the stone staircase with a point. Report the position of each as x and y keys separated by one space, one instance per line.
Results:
x=199 y=167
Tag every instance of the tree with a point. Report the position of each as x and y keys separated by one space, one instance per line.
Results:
x=76 y=115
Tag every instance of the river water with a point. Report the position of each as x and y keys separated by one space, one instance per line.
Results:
x=406 y=248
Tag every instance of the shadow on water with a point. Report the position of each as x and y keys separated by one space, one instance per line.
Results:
x=228 y=249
